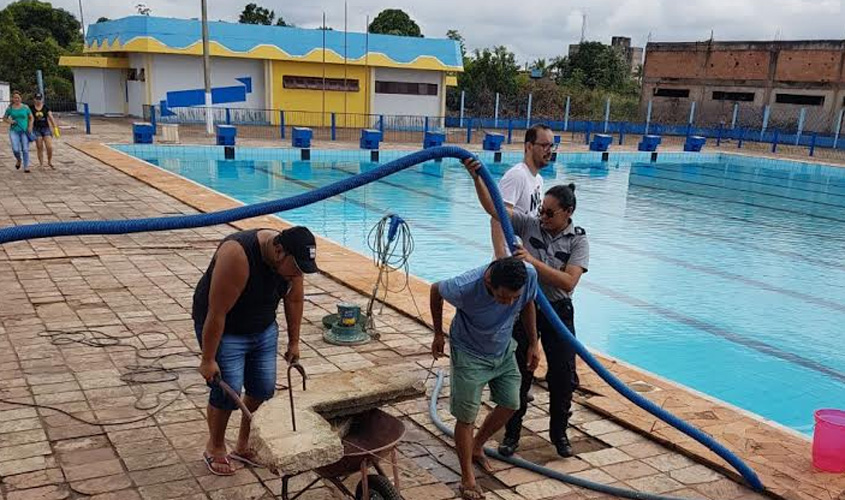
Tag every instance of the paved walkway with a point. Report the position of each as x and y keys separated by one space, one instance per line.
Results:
x=56 y=292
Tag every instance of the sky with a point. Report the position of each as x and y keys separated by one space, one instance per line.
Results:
x=533 y=28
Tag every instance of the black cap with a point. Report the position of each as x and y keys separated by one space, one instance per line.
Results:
x=299 y=242
x=39 y=96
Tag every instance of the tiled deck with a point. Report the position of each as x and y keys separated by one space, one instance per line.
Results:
x=143 y=282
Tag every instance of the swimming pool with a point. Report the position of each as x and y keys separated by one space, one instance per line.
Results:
x=721 y=272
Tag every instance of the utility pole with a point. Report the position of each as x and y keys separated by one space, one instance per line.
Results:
x=206 y=69
x=82 y=20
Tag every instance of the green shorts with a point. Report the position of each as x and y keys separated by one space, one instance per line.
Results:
x=469 y=376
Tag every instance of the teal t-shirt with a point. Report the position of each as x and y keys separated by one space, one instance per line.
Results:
x=20 y=116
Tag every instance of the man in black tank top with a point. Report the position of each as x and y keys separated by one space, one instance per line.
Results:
x=234 y=314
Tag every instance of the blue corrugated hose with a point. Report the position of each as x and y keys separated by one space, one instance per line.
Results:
x=51 y=229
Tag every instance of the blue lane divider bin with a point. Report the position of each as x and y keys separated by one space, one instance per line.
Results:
x=370 y=138
x=601 y=142
x=649 y=143
x=493 y=141
x=694 y=143
x=226 y=135
x=142 y=133
x=301 y=137
x=433 y=139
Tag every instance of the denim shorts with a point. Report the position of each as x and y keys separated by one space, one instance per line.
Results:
x=41 y=132
x=246 y=362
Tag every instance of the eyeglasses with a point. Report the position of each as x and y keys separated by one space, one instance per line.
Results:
x=551 y=146
x=549 y=213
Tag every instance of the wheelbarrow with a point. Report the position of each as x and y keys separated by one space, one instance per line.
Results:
x=372 y=437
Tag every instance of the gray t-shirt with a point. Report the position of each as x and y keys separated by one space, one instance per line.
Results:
x=569 y=247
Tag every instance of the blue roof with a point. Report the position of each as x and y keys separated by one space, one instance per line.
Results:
x=182 y=33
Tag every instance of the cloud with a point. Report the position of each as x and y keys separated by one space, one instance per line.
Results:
x=537 y=28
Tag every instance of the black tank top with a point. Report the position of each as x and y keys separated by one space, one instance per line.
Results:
x=255 y=309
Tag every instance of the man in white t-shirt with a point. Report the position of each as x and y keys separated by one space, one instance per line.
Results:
x=522 y=189
x=522 y=184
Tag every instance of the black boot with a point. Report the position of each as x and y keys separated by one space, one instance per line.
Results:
x=509 y=446
x=564 y=448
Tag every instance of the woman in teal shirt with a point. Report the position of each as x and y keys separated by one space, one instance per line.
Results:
x=19 y=116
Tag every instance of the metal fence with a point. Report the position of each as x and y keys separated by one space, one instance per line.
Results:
x=794 y=131
x=72 y=117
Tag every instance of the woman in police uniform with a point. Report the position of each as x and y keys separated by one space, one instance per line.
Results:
x=560 y=253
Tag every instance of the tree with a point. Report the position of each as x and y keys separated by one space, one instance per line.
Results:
x=34 y=36
x=39 y=20
x=456 y=36
x=255 y=14
x=595 y=66
x=395 y=22
x=281 y=22
x=486 y=73
x=103 y=20
x=143 y=9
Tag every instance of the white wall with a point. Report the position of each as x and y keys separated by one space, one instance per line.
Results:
x=178 y=72
x=5 y=97
x=137 y=90
x=399 y=104
x=88 y=85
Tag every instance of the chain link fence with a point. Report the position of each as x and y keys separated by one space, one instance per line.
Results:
x=804 y=131
x=72 y=118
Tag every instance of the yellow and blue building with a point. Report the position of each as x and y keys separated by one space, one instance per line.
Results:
x=141 y=60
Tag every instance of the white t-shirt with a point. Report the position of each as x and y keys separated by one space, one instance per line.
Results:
x=522 y=189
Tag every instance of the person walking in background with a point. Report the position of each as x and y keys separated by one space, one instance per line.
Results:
x=43 y=130
x=19 y=117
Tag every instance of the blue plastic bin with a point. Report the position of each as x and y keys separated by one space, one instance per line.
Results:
x=694 y=143
x=142 y=133
x=226 y=135
x=493 y=141
x=370 y=138
x=649 y=143
x=301 y=137
x=433 y=139
x=601 y=142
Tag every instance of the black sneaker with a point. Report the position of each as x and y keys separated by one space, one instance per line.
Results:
x=564 y=449
x=509 y=446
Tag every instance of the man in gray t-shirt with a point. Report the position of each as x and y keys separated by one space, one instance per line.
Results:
x=560 y=253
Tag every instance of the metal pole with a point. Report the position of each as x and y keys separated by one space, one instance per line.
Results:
x=801 y=117
x=648 y=117
x=206 y=69
x=40 y=78
x=692 y=113
x=496 y=113
x=463 y=96
x=566 y=115
x=528 y=116
x=736 y=114
x=87 y=112
x=606 y=114
x=766 y=113
x=838 y=128
x=82 y=20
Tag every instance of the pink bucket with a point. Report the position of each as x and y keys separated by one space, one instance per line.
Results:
x=829 y=441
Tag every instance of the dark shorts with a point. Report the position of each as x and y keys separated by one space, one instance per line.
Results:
x=41 y=132
x=246 y=362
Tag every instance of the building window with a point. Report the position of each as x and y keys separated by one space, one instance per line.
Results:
x=406 y=88
x=316 y=83
x=671 y=93
x=804 y=100
x=718 y=95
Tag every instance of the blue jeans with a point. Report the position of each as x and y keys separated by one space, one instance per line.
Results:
x=246 y=362
x=20 y=146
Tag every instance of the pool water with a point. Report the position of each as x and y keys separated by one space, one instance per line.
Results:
x=723 y=273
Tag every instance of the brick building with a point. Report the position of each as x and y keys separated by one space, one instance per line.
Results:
x=787 y=76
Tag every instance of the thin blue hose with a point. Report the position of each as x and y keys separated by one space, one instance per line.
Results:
x=52 y=229
x=539 y=469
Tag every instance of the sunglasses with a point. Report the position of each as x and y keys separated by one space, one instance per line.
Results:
x=548 y=212
x=551 y=146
